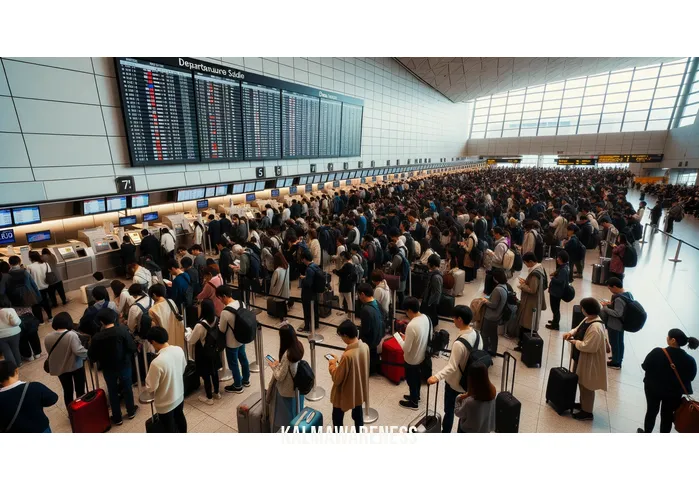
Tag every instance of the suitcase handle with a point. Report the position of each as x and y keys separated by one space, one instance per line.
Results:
x=436 y=398
x=506 y=358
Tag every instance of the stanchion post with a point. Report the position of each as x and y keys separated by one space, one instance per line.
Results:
x=353 y=308
x=143 y=392
x=316 y=393
x=224 y=374
x=255 y=365
x=393 y=313
x=371 y=415
x=643 y=238
x=260 y=355
x=677 y=253
x=314 y=336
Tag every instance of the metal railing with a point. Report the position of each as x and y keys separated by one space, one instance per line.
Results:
x=657 y=229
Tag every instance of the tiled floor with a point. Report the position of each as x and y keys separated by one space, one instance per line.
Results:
x=668 y=291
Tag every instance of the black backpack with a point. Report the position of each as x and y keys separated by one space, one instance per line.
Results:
x=146 y=322
x=474 y=356
x=410 y=245
x=630 y=258
x=538 y=247
x=245 y=328
x=305 y=379
x=189 y=292
x=517 y=263
x=635 y=316
x=319 y=284
x=88 y=322
x=18 y=292
x=215 y=340
x=255 y=265
x=476 y=254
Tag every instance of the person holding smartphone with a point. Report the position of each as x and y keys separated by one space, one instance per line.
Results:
x=281 y=393
x=350 y=376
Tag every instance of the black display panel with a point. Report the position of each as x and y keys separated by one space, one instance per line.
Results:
x=300 y=119
x=566 y=161
x=634 y=158
x=127 y=220
x=202 y=204
x=219 y=117
x=261 y=122
x=42 y=236
x=329 y=130
x=351 y=134
x=292 y=190
x=159 y=112
x=250 y=197
x=275 y=193
x=150 y=217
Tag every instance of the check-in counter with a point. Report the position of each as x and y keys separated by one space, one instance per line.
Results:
x=104 y=250
x=181 y=229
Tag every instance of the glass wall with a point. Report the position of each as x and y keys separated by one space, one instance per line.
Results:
x=636 y=99
x=691 y=106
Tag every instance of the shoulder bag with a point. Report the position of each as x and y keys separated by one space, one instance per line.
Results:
x=19 y=406
x=51 y=278
x=46 y=362
x=687 y=414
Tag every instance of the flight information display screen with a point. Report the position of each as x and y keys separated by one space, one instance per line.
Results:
x=219 y=118
x=159 y=112
x=150 y=217
x=5 y=218
x=26 y=215
x=261 y=121
x=116 y=203
x=190 y=194
x=329 y=130
x=634 y=158
x=139 y=200
x=42 y=236
x=351 y=134
x=93 y=206
x=300 y=115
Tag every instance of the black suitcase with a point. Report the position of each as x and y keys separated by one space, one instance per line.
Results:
x=578 y=316
x=561 y=387
x=532 y=349
x=276 y=307
x=191 y=377
x=507 y=406
x=325 y=301
x=429 y=423
x=418 y=284
x=446 y=306
x=596 y=274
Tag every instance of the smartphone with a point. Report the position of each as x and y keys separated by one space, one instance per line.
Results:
x=270 y=358
x=329 y=357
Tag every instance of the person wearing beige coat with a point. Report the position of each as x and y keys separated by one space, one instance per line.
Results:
x=350 y=376
x=590 y=339
x=532 y=289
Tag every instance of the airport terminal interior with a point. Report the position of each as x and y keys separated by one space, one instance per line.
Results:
x=97 y=150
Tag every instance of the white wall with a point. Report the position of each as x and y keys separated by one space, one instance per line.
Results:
x=62 y=133
x=682 y=146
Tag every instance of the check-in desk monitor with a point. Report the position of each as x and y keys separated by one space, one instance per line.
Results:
x=105 y=250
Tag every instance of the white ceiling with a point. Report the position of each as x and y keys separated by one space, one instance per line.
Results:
x=463 y=79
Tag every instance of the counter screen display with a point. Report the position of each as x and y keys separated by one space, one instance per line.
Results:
x=210 y=192
x=203 y=204
x=139 y=201
x=26 y=215
x=93 y=206
x=42 y=236
x=190 y=194
x=222 y=190
x=5 y=218
x=250 y=197
x=292 y=190
x=150 y=217
x=116 y=203
x=238 y=188
x=126 y=221
x=7 y=237
x=249 y=186
x=275 y=193
x=260 y=186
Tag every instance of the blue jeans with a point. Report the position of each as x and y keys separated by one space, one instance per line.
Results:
x=449 y=406
x=111 y=377
x=616 y=339
x=233 y=356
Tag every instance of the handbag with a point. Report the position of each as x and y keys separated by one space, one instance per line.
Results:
x=687 y=414
x=46 y=361
x=51 y=278
x=19 y=407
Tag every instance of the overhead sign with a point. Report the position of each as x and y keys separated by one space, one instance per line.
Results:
x=499 y=160
x=632 y=158
x=576 y=161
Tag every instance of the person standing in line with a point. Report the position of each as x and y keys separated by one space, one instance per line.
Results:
x=38 y=270
x=308 y=293
x=559 y=281
x=212 y=280
x=281 y=392
x=414 y=344
x=127 y=252
x=458 y=359
x=616 y=266
x=371 y=329
x=165 y=379
x=66 y=357
x=113 y=348
x=494 y=307
x=433 y=292
x=22 y=403
x=167 y=242
x=280 y=278
x=674 y=214
x=122 y=299
x=382 y=293
x=348 y=282
x=655 y=213
x=207 y=362
x=613 y=315
x=10 y=332
x=532 y=290
x=476 y=408
x=590 y=340
x=350 y=376
x=235 y=350
x=57 y=286
x=166 y=314
x=662 y=385
x=214 y=231
x=576 y=252
x=469 y=243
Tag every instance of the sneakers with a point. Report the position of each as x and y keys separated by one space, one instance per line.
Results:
x=36 y=357
x=203 y=399
x=583 y=416
x=233 y=389
x=217 y=396
x=246 y=383
x=639 y=430
x=133 y=414
x=117 y=423
x=517 y=348
x=407 y=397
x=409 y=405
x=553 y=327
x=614 y=366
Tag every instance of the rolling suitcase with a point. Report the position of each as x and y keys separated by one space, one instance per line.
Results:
x=561 y=387
x=276 y=307
x=459 y=284
x=325 y=301
x=153 y=424
x=249 y=415
x=418 y=284
x=446 y=306
x=507 y=406
x=90 y=412
x=192 y=382
x=429 y=423
x=605 y=262
x=596 y=274
x=578 y=316
x=307 y=419
x=392 y=360
x=532 y=349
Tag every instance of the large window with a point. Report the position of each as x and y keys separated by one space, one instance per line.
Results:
x=691 y=105
x=636 y=99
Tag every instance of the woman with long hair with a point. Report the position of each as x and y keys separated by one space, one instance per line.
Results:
x=476 y=408
x=207 y=361
x=280 y=278
x=56 y=287
x=212 y=280
x=281 y=394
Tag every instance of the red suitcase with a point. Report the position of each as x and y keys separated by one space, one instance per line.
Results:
x=400 y=325
x=391 y=352
x=90 y=413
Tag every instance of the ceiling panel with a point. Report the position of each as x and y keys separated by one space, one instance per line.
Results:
x=463 y=79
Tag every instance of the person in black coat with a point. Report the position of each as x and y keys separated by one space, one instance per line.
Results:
x=128 y=251
x=575 y=251
x=662 y=386
x=30 y=416
x=150 y=246
x=226 y=226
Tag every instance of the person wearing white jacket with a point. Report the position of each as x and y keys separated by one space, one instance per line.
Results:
x=414 y=344
x=38 y=269
x=458 y=359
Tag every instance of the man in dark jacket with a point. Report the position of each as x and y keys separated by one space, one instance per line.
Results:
x=113 y=349
x=576 y=252
x=225 y=260
x=214 y=228
x=371 y=329
x=585 y=232
x=150 y=246
x=559 y=281
x=308 y=293
x=226 y=226
x=128 y=251
x=433 y=292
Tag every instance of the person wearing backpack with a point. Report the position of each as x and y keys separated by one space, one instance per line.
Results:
x=433 y=291
x=560 y=279
x=348 y=282
x=576 y=252
x=235 y=350
x=476 y=408
x=29 y=417
x=662 y=384
x=531 y=287
x=458 y=363
x=88 y=322
x=613 y=314
x=142 y=304
x=212 y=280
x=494 y=307
x=674 y=214
x=401 y=268
x=472 y=255
x=312 y=284
x=166 y=314
x=617 y=266
x=206 y=355
x=182 y=291
x=281 y=391
x=39 y=271
x=372 y=324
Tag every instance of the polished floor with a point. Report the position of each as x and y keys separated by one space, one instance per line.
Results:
x=668 y=291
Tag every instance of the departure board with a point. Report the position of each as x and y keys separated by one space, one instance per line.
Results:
x=261 y=121
x=159 y=111
x=329 y=131
x=300 y=114
x=219 y=118
x=634 y=158
x=351 y=135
